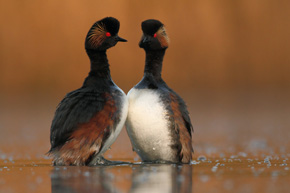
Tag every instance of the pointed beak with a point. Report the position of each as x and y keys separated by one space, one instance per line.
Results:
x=145 y=40
x=119 y=39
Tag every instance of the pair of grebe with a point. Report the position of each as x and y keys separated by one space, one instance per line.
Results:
x=89 y=119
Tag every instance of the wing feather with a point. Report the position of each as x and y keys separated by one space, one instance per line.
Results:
x=182 y=126
x=77 y=107
x=83 y=121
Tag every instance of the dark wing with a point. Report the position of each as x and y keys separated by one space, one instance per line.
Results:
x=182 y=126
x=83 y=121
x=77 y=107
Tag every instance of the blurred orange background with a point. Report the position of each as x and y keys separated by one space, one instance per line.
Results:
x=230 y=60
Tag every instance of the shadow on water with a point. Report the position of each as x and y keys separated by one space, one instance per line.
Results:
x=81 y=179
x=162 y=178
x=133 y=178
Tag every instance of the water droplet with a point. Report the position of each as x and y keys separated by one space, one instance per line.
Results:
x=193 y=162
x=243 y=154
x=201 y=158
x=214 y=168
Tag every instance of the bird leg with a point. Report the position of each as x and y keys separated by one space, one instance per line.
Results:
x=100 y=160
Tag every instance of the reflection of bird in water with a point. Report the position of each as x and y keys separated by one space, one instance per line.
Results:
x=81 y=180
x=89 y=119
x=161 y=178
x=158 y=122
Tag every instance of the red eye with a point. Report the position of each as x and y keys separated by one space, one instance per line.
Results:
x=155 y=35
x=108 y=34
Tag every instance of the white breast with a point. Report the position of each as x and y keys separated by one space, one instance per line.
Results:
x=147 y=125
x=123 y=116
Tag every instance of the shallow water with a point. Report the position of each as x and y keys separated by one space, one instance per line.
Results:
x=241 y=145
x=223 y=174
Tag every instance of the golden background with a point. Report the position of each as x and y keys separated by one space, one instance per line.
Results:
x=228 y=59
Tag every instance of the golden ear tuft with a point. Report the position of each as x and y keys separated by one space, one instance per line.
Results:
x=162 y=37
x=97 y=35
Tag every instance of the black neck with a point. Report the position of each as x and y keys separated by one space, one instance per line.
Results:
x=153 y=63
x=99 y=76
x=99 y=64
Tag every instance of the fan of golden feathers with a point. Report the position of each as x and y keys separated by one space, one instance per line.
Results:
x=97 y=35
x=162 y=37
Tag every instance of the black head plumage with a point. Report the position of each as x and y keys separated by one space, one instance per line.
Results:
x=151 y=26
x=103 y=34
x=111 y=24
x=154 y=35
